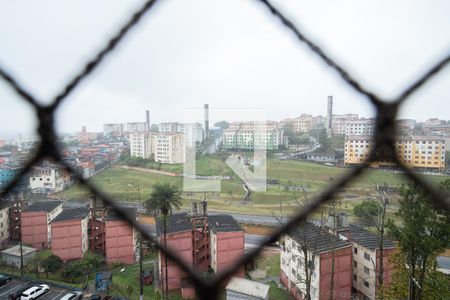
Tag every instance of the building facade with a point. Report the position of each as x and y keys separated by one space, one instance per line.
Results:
x=366 y=262
x=166 y=148
x=48 y=177
x=4 y=223
x=302 y=124
x=308 y=254
x=70 y=233
x=193 y=133
x=36 y=223
x=250 y=135
x=418 y=152
x=169 y=127
x=133 y=127
x=120 y=241
x=114 y=129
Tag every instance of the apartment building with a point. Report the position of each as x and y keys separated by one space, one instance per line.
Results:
x=418 y=152
x=134 y=127
x=248 y=135
x=366 y=261
x=361 y=127
x=165 y=147
x=15 y=210
x=340 y=122
x=140 y=145
x=48 y=177
x=307 y=256
x=36 y=223
x=120 y=239
x=227 y=242
x=193 y=133
x=202 y=241
x=114 y=129
x=302 y=124
x=170 y=127
x=69 y=232
x=4 y=223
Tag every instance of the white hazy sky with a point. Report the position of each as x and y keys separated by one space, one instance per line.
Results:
x=231 y=54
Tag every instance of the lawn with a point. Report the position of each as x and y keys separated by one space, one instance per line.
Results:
x=121 y=185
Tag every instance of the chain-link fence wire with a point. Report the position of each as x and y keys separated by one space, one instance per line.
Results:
x=384 y=141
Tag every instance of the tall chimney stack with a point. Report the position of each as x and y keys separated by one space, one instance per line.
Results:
x=330 y=115
x=206 y=109
x=147 y=119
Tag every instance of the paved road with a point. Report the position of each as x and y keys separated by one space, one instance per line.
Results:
x=17 y=284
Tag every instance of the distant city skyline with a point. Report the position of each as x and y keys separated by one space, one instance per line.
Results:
x=250 y=62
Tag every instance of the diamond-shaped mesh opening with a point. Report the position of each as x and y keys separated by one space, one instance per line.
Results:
x=383 y=147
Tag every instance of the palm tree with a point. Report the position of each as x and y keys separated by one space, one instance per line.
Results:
x=163 y=199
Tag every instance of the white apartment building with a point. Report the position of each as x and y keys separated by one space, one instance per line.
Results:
x=4 y=223
x=169 y=148
x=302 y=124
x=193 y=133
x=244 y=135
x=170 y=127
x=165 y=147
x=114 y=128
x=48 y=177
x=361 y=127
x=340 y=123
x=137 y=127
x=139 y=145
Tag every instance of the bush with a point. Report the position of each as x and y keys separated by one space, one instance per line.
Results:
x=52 y=264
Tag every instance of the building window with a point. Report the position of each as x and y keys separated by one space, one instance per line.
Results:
x=366 y=256
x=355 y=278
x=366 y=270
x=355 y=250
x=355 y=264
x=366 y=284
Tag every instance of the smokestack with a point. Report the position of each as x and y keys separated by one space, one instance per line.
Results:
x=147 y=119
x=330 y=114
x=206 y=108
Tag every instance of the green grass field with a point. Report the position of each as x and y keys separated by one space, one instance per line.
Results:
x=314 y=177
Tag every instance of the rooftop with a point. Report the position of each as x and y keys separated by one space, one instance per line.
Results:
x=178 y=222
x=318 y=238
x=223 y=223
x=248 y=287
x=15 y=250
x=46 y=206
x=71 y=214
x=366 y=238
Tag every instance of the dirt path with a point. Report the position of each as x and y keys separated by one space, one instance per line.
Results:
x=147 y=170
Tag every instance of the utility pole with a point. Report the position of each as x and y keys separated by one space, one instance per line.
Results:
x=141 y=284
x=21 y=248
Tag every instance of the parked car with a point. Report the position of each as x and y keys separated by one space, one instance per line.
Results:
x=35 y=292
x=18 y=293
x=94 y=297
x=72 y=296
x=4 y=279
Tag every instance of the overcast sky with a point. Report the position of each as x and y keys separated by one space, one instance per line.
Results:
x=231 y=54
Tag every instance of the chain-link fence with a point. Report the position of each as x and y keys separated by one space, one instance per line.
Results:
x=386 y=112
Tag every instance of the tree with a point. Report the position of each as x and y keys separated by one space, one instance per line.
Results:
x=222 y=125
x=367 y=211
x=163 y=199
x=92 y=262
x=52 y=264
x=324 y=140
x=73 y=271
x=424 y=234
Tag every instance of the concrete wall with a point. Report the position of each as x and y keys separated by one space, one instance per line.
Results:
x=35 y=229
x=67 y=239
x=120 y=242
x=227 y=248
x=342 y=286
x=181 y=242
